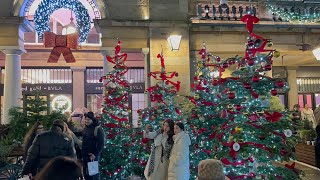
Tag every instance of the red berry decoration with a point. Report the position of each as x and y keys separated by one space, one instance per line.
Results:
x=215 y=82
x=176 y=74
x=274 y=92
x=280 y=84
x=250 y=62
x=255 y=79
x=231 y=95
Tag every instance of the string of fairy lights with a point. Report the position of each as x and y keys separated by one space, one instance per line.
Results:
x=295 y=14
x=47 y=7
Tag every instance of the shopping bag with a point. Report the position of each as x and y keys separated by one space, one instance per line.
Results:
x=93 y=168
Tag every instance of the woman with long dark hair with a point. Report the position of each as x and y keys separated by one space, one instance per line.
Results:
x=60 y=168
x=179 y=159
x=158 y=163
x=36 y=129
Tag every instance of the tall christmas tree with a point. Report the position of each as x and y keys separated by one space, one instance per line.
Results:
x=252 y=136
x=161 y=95
x=117 y=156
x=204 y=117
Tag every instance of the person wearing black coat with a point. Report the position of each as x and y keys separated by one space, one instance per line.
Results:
x=92 y=143
x=47 y=146
x=317 y=148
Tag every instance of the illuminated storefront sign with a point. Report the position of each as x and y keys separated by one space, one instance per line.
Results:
x=62 y=103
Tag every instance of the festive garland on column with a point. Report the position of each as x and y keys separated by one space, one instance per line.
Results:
x=47 y=7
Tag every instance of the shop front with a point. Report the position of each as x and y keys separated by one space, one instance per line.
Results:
x=94 y=99
x=54 y=85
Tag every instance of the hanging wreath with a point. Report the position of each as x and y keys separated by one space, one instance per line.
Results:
x=47 y=7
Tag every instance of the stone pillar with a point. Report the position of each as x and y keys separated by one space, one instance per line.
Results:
x=293 y=93
x=12 y=80
x=145 y=52
x=78 y=96
x=107 y=66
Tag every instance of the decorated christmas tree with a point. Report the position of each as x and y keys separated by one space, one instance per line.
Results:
x=252 y=136
x=117 y=156
x=162 y=97
x=204 y=117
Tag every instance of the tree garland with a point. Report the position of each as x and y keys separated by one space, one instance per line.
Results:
x=47 y=7
x=294 y=16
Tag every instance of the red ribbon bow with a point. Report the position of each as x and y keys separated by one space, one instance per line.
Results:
x=62 y=44
x=275 y=117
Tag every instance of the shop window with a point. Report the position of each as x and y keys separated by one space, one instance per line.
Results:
x=317 y=99
x=138 y=102
x=94 y=102
x=305 y=99
x=46 y=76
x=134 y=75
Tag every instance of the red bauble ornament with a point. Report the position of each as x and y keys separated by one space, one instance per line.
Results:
x=218 y=59
x=255 y=79
x=195 y=78
x=225 y=65
x=250 y=62
x=268 y=67
x=215 y=82
x=231 y=95
x=223 y=114
x=274 y=92
x=246 y=85
x=205 y=82
x=279 y=83
x=238 y=107
x=176 y=74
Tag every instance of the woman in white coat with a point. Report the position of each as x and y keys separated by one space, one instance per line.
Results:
x=307 y=114
x=158 y=162
x=179 y=159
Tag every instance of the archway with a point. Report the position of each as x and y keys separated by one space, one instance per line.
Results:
x=22 y=7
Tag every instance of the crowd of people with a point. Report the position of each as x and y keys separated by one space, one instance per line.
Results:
x=63 y=152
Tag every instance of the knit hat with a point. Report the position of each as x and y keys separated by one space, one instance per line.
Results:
x=90 y=115
x=59 y=123
x=210 y=169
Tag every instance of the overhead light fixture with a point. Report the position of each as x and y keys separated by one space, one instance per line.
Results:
x=174 y=42
x=316 y=53
x=70 y=28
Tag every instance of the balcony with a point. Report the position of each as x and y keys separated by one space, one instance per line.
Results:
x=280 y=11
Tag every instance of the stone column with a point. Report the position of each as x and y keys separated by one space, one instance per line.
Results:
x=78 y=78
x=293 y=93
x=12 y=80
x=107 y=66
x=145 y=52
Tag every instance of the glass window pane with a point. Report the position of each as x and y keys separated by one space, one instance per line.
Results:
x=300 y=99
x=317 y=99
x=309 y=100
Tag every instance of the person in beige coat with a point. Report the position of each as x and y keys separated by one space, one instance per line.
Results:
x=307 y=114
x=158 y=162
x=179 y=159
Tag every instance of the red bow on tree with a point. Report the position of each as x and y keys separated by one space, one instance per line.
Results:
x=272 y=117
x=62 y=44
x=250 y=20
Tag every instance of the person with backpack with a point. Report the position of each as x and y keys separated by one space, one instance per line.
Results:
x=92 y=143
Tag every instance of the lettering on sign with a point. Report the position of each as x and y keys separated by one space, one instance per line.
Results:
x=27 y=88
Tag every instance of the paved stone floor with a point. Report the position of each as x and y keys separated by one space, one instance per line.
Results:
x=311 y=173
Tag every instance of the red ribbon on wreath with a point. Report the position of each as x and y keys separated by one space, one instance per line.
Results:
x=62 y=44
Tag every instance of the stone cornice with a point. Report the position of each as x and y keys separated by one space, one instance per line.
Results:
x=23 y=23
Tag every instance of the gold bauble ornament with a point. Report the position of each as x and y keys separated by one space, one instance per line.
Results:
x=276 y=54
x=238 y=130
